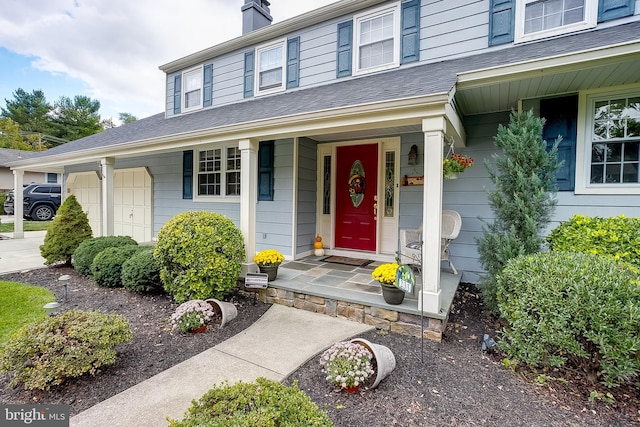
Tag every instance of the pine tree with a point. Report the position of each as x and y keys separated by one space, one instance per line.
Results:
x=68 y=229
x=523 y=200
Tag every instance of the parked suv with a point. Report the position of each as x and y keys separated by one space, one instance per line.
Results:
x=41 y=201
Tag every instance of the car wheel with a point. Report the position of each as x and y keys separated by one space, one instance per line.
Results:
x=42 y=213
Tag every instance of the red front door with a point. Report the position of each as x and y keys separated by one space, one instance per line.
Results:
x=356 y=189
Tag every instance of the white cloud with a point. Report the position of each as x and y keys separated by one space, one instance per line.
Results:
x=116 y=46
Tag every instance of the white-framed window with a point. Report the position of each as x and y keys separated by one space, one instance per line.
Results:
x=192 y=89
x=614 y=129
x=218 y=172
x=377 y=40
x=537 y=19
x=270 y=67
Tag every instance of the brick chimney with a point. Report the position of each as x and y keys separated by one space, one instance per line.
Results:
x=255 y=15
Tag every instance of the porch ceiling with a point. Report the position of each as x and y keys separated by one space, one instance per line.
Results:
x=493 y=90
x=365 y=133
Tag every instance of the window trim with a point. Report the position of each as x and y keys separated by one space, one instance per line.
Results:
x=282 y=43
x=590 y=21
x=223 y=197
x=586 y=104
x=394 y=8
x=183 y=92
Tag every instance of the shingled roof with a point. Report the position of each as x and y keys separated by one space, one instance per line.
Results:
x=8 y=155
x=405 y=82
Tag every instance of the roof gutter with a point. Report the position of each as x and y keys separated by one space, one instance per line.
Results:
x=404 y=110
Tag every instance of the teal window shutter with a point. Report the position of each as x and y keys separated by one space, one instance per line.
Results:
x=293 y=62
x=501 y=21
x=187 y=174
x=344 y=48
x=207 y=86
x=614 y=9
x=248 y=74
x=410 y=41
x=177 y=90
x=265 y=171
x=561 y=116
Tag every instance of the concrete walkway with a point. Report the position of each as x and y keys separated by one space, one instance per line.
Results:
x=20 y=254
x=276 y=345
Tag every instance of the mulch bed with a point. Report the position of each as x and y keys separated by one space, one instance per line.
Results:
x=453 y=383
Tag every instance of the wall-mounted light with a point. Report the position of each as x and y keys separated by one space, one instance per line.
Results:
x=413 y=155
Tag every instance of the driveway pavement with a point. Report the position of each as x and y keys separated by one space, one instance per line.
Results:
x=20 y=254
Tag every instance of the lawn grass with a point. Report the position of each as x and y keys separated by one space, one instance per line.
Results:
x=26 y=225
x=20 y=304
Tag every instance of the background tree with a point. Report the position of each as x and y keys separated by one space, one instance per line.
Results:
x=77 y=118
x=523 y=200
x=69 y=228
x=29 y=110
x=127 y=118
x=10 y=136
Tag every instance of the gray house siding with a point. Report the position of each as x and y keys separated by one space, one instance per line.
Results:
x=274 y=218
x=306 y=203
x=166 y=170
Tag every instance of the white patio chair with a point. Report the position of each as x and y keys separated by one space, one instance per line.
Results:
x=451 y=225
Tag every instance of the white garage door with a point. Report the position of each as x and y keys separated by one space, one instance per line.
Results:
x=132 y=201
x=86 y=187
x=132 y=204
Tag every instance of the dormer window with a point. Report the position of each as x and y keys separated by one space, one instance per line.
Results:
x=377 y=39
x=192 y=89
x=544 y=18
x=270 y=66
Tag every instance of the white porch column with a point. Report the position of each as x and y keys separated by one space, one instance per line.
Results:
x=433 y=129
x=18 y=204
x=248 y=199
x=106 y=169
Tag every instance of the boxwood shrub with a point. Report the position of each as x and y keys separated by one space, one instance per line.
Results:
x=141 y=272
x=572 y=309
x=106 y=268
x=264 y=403
x=47 y=352
x=88 y=249
x=200 y=255
x=616 y=237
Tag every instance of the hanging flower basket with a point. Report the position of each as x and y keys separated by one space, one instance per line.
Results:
x=455 y=164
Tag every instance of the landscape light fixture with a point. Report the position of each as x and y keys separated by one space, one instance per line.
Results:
x=65 y=282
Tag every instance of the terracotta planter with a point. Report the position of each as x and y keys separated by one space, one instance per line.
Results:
x=199 y=330
x=385 y=360
x=271 y=270
x=392 y=294
x=352 y=389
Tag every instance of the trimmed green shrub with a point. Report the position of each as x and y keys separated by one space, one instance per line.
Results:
x=572 y=309
x=88 y=249
x=107 y=265
x=615 y=237
x=200 y=255
x=141 y=272
x=47 y=352
x=264 y=403
x=69 y=228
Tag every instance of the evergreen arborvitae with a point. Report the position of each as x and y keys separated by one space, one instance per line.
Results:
x=523 y=200
x=68 y=229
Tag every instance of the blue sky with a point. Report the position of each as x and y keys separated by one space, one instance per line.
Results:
x=110 y=50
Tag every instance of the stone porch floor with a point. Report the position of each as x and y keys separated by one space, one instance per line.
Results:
x=345 y=291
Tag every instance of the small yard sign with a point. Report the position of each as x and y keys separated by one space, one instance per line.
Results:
x=256 y=280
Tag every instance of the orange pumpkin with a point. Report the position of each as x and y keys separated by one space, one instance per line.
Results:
x=318 y=239
x=317 y=245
